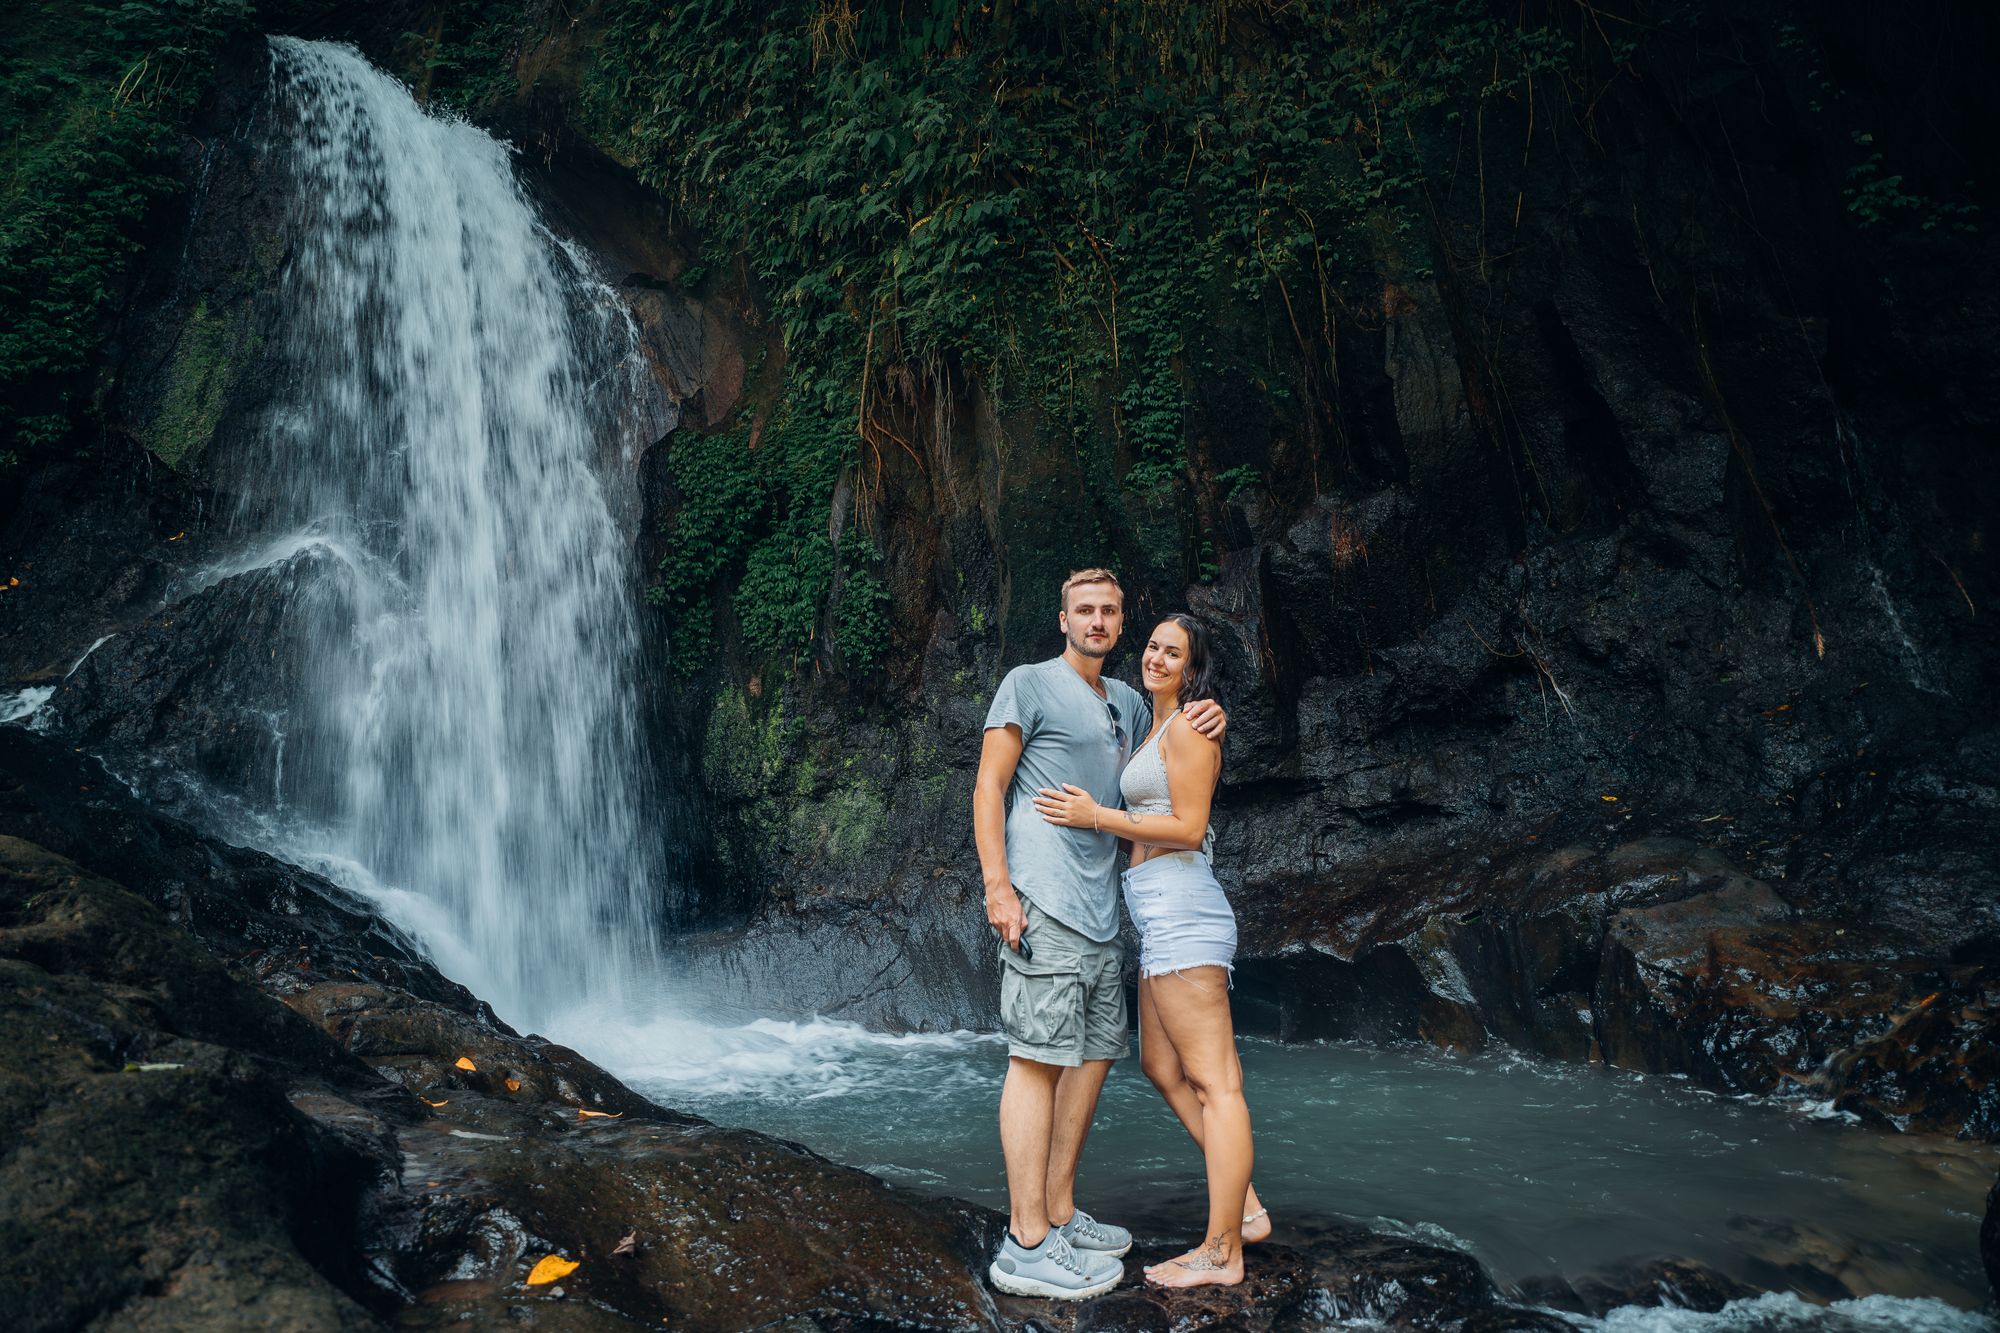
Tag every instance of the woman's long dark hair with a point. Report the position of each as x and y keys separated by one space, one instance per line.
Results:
x=1199 y=681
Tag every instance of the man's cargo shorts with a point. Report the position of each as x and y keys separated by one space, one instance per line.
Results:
x=1067 y=1005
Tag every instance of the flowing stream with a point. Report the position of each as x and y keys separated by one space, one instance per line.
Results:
x=447 y=481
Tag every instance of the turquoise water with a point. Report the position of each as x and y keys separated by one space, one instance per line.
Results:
x=1535 y=1168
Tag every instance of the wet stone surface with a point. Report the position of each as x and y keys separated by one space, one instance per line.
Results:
x=1275 y=1291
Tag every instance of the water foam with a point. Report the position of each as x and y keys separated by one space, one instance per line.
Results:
x=1783 y=1312
x=676 y=1057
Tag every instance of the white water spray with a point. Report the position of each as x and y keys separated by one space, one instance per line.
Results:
x=443 y=484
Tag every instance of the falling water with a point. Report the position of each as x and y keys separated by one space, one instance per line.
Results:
x=443 y=482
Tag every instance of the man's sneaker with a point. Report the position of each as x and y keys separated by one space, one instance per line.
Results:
x=1084 y=1232
x=1053 y=1269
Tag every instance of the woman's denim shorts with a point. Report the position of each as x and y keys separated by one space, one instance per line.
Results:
x=1182 y=916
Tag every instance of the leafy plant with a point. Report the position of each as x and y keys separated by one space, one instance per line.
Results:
x=90 y=115
x=1876 y=198
x=1061 y=200
x=753 y=511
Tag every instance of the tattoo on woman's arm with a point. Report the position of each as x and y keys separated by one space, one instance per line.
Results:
x=1133 y=816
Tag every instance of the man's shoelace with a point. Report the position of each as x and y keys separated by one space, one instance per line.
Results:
x=1060 y=1251
x=1086 y=1225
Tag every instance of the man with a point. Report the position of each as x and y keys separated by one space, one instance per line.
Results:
x=1062 y=996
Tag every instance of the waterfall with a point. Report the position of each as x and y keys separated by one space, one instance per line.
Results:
x=444 y=483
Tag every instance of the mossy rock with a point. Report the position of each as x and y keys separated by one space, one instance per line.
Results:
x=197 y=383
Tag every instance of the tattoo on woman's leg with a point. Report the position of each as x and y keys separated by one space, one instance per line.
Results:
x=1210 y=1257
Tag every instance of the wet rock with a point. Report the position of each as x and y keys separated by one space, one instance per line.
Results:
x=1682 y=1284
x=256 y=1165
x=1731 y=987
x=195 y=703
x=279 y=924
x=420 y=1044
x=727 y=1229
x=56 y=539
x=1275 y=1293
x=1364 y=1275
x=930 y=969
x=1823 y=1265
x=154 y=1162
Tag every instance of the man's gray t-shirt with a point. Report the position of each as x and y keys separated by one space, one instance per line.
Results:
x=1068 y=734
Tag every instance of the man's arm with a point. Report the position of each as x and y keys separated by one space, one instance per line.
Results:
x=999 y=755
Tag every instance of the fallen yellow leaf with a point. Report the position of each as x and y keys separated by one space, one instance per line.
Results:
x=582 y=1114
x=552 y=1267
x=428 y=1102
x=513 y=1085
x=466 y=1064
x=1607 y=798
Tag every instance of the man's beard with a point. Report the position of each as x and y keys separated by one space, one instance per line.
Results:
x=1088 y=649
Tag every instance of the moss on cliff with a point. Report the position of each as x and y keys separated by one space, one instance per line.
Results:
x=743 y=745
x=199 y=377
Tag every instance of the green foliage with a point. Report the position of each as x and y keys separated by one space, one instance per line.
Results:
x=861 y=627
x=754 y=506
x=91 y=104
x=939 y=176
x=1877 y=196
x=466 y=61
x=1876 y=199
x=1235 y=481
x=1061 y=199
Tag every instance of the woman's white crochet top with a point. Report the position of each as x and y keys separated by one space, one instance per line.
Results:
x=1144 y=783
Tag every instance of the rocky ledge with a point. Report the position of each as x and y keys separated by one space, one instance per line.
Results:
x=237 y=1096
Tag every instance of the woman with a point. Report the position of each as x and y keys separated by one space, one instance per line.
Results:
x=1187 y=944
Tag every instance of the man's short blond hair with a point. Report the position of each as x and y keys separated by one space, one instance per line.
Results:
x=1091 y=576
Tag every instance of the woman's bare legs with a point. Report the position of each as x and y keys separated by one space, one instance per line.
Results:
x=1162 y=1063
x=1192 y=1010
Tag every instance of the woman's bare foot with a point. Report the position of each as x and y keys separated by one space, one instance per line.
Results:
x=1210 y=1265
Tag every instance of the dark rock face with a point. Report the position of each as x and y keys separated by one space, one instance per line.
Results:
x=1989 y=1239
x=157 y=1157
x=198 y=701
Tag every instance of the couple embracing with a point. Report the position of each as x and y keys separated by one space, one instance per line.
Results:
x=1074 y=765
